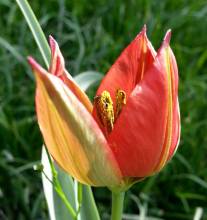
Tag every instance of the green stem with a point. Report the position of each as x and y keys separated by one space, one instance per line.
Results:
x=117 y=205
x=58 y=188
x=78 y=194
x=60 y=192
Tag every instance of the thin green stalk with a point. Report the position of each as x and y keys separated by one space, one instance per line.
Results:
x=117 y=205
x=60 y=192
x=58 y=188
x=79 y=195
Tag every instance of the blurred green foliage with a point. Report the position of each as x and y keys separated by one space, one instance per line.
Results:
x=91 y=35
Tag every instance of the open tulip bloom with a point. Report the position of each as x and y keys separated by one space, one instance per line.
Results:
x=130 y=131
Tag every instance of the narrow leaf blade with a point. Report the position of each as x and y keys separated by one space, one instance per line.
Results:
x=35 y=29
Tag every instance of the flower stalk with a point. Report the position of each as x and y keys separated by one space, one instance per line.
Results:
x=58 y=188
x=117 y=205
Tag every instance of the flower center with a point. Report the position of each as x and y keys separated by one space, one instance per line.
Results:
x=105 y=109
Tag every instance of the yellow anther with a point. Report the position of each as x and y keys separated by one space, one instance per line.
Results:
x=120 y=101
x=105 y=110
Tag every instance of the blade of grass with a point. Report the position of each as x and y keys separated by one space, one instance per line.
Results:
x=35 y=29
x=14 y=52
x=4 y=43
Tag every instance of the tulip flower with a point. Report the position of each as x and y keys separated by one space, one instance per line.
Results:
x=133 y=127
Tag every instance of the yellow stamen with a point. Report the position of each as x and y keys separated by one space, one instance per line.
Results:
x=105 y=110
x=120 y=101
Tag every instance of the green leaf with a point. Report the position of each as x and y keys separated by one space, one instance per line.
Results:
x=88 y=78
x=35 y=29
x=88 y=208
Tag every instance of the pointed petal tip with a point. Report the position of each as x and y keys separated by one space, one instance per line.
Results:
x=51 y=37
x=31 y=61
x=29 y=58
x=53 y=43
x=144 y=29
x=51 y=40
x=57 y=63
x=142 y=33
x=36 y=68
x=166 y=40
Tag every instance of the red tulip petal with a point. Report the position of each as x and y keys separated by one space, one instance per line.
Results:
x=128 y=69
x=57 y=64
x=71 y=134
x=57 y=68
x=140 y=131
x=130 y=66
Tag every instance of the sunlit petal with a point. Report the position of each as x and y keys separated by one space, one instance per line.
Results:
x=71 y=135
x=143 y=132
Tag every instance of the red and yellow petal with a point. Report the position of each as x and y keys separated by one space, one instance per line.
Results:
x=130 y=67
x=142 y=136
x=128 y=70
x=173 y=121
x=176 y=110
x=175 y=133
x=71 y=134
x=57 y=68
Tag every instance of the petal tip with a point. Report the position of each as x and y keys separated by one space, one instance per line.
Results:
x=167 y=37
x=51 y=37
x=29 y=58
x=144 y=29
x=142 y=33
x=57 y=63
x=36 y=68
x=31 y=61
x=51 y=40
x=53 y=43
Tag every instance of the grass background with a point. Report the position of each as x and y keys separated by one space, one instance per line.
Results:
x=91 y=35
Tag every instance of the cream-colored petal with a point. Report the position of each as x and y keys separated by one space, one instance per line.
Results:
x=71 y=135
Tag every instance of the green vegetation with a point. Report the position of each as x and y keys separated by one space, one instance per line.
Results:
x=91 y=35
